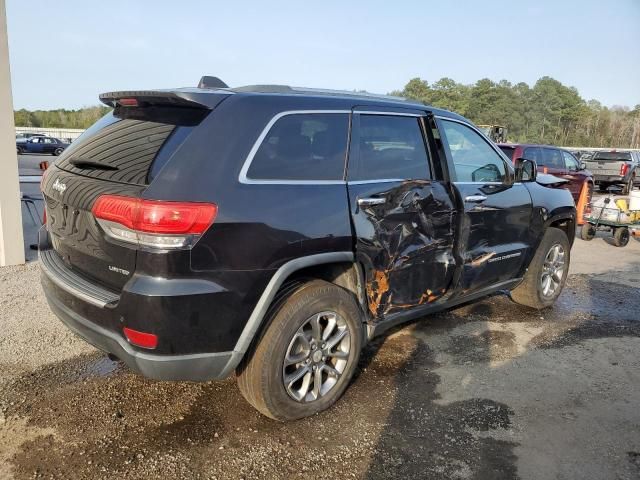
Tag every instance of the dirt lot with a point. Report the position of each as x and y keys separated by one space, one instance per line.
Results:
x=490 y=390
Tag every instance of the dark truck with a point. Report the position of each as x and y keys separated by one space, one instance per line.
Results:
x=272 y=231
x=615 y=168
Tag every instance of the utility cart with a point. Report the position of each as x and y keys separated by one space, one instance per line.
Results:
x=611 y=218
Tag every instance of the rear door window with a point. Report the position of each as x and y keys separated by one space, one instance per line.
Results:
x=303 y=147
x=390 y=148
x=535 y=154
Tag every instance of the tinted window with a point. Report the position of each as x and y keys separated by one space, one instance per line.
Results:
x=612 y=156
x=473 y=158
x=126 y=148
x=390 y=148
x=303 y=147
x=553 y=158
x=508 y=151
x=535 y=154
x=570 y=162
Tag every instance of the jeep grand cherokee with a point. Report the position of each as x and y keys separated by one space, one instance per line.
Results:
x=272 y=231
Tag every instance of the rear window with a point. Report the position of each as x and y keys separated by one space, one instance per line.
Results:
x=508 y=151
x=612 y=156
x=125 y=150
x=309 y=146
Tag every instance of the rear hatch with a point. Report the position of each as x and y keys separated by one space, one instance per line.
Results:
x=609 y=163
x=119 y=155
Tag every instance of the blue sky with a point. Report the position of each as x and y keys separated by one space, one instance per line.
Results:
x=64 y=53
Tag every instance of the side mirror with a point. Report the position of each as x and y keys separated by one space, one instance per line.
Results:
x=526 y=170
x=583 y=166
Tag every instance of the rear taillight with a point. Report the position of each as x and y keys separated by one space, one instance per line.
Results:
x=43 y=178
x=624 y=168
x=153 y=223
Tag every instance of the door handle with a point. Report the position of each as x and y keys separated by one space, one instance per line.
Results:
x=367 y=202
x=475 y=198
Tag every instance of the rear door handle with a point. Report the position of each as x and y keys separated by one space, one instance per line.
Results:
x=475 y=198
x=367 y=202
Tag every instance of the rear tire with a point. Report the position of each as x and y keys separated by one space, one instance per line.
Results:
x=628 y=187
x=587 y=232
x=297 y=323
x=547 y=272
x=621 y=237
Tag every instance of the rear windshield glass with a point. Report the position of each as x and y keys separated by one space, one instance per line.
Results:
x=508 y=151
x=123 y=150
x=612 y=156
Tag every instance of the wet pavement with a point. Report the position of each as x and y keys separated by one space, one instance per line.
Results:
x=490 y=390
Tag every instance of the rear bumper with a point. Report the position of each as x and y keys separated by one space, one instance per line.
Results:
x=608 y=179
x=198 y=320
x=194 y=367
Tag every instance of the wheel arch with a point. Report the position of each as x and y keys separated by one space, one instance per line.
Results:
x=566 y=223
x=338 y=268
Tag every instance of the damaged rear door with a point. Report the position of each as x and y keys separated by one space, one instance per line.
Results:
x=404 y=218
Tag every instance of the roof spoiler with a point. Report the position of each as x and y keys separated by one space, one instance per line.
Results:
x=187 y=98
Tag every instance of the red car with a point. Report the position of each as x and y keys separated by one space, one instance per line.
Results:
x=555 y=161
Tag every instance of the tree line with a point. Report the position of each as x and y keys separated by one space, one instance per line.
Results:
x=549 y=112
x=60 y=118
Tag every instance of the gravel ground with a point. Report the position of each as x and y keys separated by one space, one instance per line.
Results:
x=489 y=390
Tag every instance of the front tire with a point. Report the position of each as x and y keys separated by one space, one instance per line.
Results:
x=307 y=355
x=587 y=232
x=20 y=150
x=547 y=272
x=58 y=151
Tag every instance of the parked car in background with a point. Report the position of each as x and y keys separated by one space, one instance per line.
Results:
x=555 y=161
x=42 y=144
x=615 y=168
x=273 y=231
x=23 y=137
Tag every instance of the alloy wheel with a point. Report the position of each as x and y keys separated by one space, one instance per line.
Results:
x=552 y=270
x=316 y=357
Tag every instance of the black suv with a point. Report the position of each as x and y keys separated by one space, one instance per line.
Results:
x=272 y=231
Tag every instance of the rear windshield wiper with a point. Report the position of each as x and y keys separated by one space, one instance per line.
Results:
x=85 y=163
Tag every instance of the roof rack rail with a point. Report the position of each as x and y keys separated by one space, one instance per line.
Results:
x=329 y=91
x=314 y=91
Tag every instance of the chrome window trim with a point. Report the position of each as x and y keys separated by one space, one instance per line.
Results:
x=395 y=114
x=382 y=180
x=243 y=178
